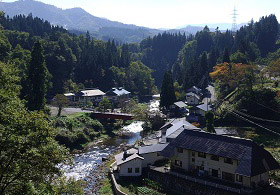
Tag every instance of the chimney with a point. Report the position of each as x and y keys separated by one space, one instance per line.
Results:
x=124 y=154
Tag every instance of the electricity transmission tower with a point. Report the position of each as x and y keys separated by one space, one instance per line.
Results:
x=234 y=22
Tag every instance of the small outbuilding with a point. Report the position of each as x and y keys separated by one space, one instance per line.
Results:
x=129 y=164
x=151 y=154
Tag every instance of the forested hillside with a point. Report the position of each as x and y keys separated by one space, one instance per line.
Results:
x=192 y=58
x=73 y=62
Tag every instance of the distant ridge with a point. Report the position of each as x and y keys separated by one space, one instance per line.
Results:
x=78 y=20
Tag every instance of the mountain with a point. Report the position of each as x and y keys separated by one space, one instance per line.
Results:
x=198 y=27
x=78 y=20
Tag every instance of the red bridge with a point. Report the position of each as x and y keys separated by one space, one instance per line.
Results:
x=112 y=115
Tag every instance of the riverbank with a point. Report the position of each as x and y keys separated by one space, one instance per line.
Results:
x=79 y=132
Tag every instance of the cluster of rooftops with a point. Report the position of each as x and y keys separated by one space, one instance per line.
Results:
x=179 y=133
x=116 y=91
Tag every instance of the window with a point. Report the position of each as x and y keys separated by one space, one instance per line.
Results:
x=158 y=154
x=228 y=176
x=193 y=153
x=180 y=150
x=228 y=161
x=215 y=173
x=214 y=157
x=137 y=170
x=239 y=178
x=201 y=155
x=178 y=163
x=129 y=170
x=193 y=160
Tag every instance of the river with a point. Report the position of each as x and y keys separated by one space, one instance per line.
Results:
x=86 y=164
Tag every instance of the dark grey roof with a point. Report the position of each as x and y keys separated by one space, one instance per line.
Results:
x=253 y=159
x=121 y=160
x=204 y=107
x=151 y=148
x=181 y=104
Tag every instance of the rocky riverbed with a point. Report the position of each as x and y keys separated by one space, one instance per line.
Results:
x=88 y=166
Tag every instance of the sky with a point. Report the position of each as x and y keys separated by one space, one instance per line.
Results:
x=172 y=13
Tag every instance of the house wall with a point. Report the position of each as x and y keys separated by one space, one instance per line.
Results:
x=209 y=165
x=262 y=178
x=150 y=158
x=192 y=100
x=135 y=163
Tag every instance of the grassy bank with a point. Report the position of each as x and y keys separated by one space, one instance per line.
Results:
x=79 y=130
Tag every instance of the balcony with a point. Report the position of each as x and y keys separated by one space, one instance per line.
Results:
x=204 y=180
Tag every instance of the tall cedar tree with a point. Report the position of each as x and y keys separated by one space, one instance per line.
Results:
x=167 y=95
x=37 y=78
x=226 y=56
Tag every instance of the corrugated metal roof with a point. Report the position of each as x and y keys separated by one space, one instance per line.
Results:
x=178 y=124
x=181 y=104
x=119 y=91
x=151 y=148
x=69 y=94
x=204 y=107
x=253 y=159
x=92 y=92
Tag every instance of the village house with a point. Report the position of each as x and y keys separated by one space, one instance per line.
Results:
x=192 y=99
x=179 y=108
x=128 y=163
x=131 y=162
x=229 y=159
x=70 y=96
x=172 y=129
x=118 y=94
x=195 y=90
x=151 y=154
x=92 y=95
x=229 y=163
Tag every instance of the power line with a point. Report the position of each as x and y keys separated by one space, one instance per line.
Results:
x=267 y=107
x=257 y=118
x=243 y=118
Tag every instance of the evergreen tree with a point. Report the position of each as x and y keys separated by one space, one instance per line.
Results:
x=226 y=56
x=167 y=95
x=37 y=78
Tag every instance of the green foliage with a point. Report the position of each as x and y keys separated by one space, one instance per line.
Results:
x=74 y=132
x=167 y=95
x=60 y=101
x=160 y=53
x=136 y=78
x=104 y=105
x=29 y=153
x=239 y=57
x=209 y=116
x=37 y=79
x=226 y=57
x=106 y=187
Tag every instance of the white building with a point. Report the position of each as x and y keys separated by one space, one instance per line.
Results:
x=151 y=154
x=92 y=95
x=129 y=164
x=192 y=99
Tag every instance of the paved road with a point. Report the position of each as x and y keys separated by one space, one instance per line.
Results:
x=211 y=89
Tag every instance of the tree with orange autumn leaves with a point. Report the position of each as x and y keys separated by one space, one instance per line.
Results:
x=234 y=75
